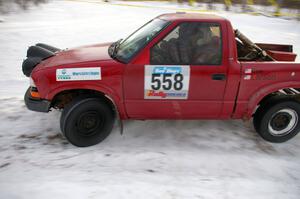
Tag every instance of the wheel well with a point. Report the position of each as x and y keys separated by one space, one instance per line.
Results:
x=279 y=95
x=61 y=99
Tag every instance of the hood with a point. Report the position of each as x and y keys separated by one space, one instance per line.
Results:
x=98 y=52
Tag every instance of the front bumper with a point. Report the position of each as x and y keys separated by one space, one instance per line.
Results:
x=38 y=105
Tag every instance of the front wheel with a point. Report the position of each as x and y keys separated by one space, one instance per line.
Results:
x=278 y=123
x=86 y=122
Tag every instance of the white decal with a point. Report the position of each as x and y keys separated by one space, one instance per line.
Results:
x=247 y=77
x=75 y=74
x=248 y=71
x=166 y=82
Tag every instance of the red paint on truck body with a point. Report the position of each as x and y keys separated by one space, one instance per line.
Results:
x=236 y=97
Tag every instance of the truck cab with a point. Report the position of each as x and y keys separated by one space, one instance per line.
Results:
x=196 y=46
x=176 y=66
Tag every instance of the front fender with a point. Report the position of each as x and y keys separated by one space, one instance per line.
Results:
x=110 y=93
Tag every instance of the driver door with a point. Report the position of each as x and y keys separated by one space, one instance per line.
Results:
x=169 y=81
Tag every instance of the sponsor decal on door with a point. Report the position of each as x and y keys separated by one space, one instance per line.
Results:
x=166 y=82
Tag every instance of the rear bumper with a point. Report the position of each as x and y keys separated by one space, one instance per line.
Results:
x=36 y=105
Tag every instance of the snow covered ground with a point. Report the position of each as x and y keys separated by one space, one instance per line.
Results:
x=153 y=159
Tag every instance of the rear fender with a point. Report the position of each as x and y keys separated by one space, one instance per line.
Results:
x=265 y=91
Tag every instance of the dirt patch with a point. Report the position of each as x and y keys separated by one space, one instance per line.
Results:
x=4 y=165
x=14 y=118
x=150 y=171
x=264 y=146
x=20 y=147
x=55 y=136
x=30 y=136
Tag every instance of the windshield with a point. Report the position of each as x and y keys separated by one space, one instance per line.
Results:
x=130 y=46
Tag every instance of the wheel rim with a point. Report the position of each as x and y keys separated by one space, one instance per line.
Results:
x=283 y=122
x=89 y=123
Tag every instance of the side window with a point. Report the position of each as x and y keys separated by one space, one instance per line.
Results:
x=190 y=43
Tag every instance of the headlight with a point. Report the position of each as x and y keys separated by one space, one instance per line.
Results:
x=33 y=89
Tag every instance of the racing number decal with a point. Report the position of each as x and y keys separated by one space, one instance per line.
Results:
x=166 y=82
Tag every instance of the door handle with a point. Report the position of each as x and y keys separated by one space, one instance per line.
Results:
x=219 y=77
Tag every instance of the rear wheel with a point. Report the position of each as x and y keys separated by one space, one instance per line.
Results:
x=279 y=122
x=86 y=122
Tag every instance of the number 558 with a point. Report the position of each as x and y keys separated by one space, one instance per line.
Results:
x=167 y=81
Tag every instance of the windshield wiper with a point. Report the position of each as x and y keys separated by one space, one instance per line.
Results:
x=114 y=48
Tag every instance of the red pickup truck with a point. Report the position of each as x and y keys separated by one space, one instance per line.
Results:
x=176 y=66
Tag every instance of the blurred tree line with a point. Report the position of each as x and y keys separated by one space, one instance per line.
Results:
x=246 y=5
x=6 y=5
x=295 y=4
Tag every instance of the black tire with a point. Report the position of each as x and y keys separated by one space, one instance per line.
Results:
x=278 y=122
x=86 y=122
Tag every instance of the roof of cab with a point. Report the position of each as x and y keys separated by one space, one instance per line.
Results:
x=190 y=16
